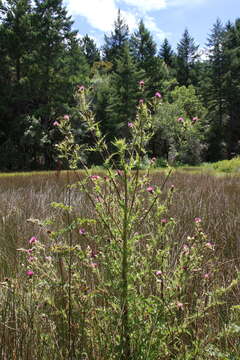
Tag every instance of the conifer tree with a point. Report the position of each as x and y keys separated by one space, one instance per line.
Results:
x=124 y=95
x=90 y=50
x=144 y=51
x=114 y=44
x=166 y=53
x=186 y=57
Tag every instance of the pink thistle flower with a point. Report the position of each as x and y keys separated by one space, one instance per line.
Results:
x=150 y=189
x=29 y=273
x=48 y=258
x=81 y=88
x=180 y=120
x=95 y=177
x=82 y=231
x=130 y=125
x=209 y=245
x=206 y=276
x=197 y=220
x=33 y=240
x=179 y=305
x=141 y=83
x=32 y=258
x=119 y=172
x=56 y=123
x=185 y=249
x=141 y=101
x=29 y=251
x=158 y=95
x=66 y=117
x=106 y=178
x=94 y=265
x=153 y=159
x=164 y=221
x=158 y=273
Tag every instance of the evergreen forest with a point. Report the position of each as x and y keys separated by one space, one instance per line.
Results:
x=44 y=63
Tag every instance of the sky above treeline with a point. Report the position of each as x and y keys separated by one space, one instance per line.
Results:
x=164 y=18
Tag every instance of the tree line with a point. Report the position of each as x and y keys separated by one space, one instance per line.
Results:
x=44 y=62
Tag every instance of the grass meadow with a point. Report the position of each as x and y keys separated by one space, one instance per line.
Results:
x=34 y=325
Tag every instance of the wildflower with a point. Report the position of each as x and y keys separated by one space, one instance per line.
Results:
x=32 y=258
x=158 y=95
x=81 y=88
x=206 y=276
x=195 y=119
x=82 y=231
x=93 y=265
x=48 y=258
x=158 y=273
x=197 y=220
x=180 y=119
x=153 y=159
x=150 y=189
x=56 y=123
x=164 y=221
x=94 y=177
x=119 y=172
x=106 y=178
x=179 y=305
x=66 y=117
x=209 y=245
x=185 y=249
x=141 y=101
x=141 y=83
x=33 y=240
x=130 y=125
x=29 y=273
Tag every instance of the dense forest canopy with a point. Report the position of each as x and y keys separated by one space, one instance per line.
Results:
x=43 y=63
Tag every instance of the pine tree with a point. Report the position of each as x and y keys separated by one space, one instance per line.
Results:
x=144 y=50
x=114 y=44
x=166 y=53
x=124 y=95
x=214 y=90
x=186 y=57
x=90 y=50
x=231 y=85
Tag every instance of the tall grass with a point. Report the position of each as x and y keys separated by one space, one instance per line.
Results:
x=25 y=336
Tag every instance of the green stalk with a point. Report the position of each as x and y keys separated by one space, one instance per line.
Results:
x=125 y=336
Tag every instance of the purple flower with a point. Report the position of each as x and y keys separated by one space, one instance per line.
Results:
x=150 y=189
x=56 y=123
x=82 y=231
x=141 y=101
x=164 y=221
x=81 y=88
x=179 y=305
x=158 y=273
x=195 y=119
x=94 y=177
x=141 y=83
x=29 y=273
x=197 y=220
x=66 y=117
x=158 y=95
x=130 y=124
x=33 y=240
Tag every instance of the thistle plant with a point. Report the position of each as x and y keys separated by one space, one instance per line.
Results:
x=113 y=282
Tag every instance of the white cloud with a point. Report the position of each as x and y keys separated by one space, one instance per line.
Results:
x=147 y=5
x=151 y=25
x=99 y=13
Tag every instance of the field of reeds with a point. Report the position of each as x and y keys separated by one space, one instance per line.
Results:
x=60 y=266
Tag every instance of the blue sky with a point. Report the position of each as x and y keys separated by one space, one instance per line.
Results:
x=164 y=18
